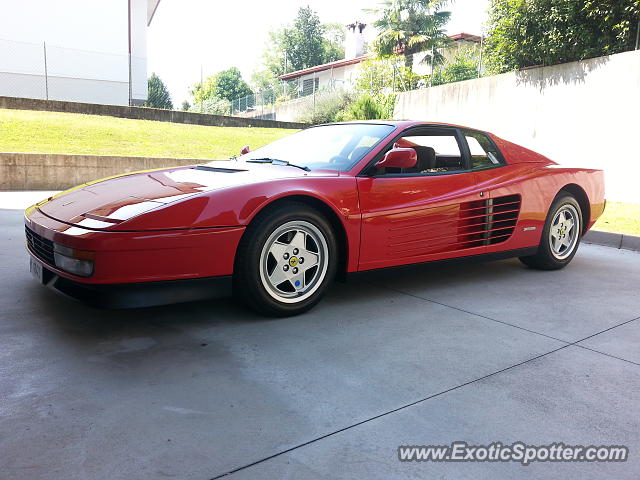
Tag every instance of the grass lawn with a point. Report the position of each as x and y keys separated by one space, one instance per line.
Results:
x=620 y=218
x=52 y=132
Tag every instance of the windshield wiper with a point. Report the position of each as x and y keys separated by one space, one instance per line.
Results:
x=277 y=161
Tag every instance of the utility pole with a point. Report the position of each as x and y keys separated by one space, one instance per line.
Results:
x=480 y=60
x=130 y=76
x=433 y=61
x=46 y=72
x=638 y=34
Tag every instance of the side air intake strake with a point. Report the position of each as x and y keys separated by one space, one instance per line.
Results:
x=454 y=227
x=491 y=221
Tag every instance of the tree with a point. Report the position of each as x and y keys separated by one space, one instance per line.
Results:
x=408 y=27
x=186 y=106
x=524 y=33
x=158 y=94
x=333 y=42
x=375 y=76
x=305 y=43
x=266 y=84
x=227 y=84
x=464 y=66
x=382 y=75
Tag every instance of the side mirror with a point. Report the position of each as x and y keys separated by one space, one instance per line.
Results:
x=245 y=150
x=399 y=158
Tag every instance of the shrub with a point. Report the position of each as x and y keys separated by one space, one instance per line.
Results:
x=213 y=106
x=369 y=107
x=327 y=107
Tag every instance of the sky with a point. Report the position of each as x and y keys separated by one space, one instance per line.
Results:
x=187 y=35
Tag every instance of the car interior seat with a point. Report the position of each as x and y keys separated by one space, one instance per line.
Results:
x=426 y=159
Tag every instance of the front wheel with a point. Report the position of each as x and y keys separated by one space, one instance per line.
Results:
x=286 y=260
x=560 y=236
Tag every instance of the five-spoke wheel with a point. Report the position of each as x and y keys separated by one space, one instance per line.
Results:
x=293 y=261
x=563 y=233
x=560 y=236
x=286 y=259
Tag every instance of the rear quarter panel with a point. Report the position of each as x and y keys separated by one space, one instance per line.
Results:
x=538 y=185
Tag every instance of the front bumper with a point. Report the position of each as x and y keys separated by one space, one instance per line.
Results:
x=145 y=294
x=134 y=269
x=135 y=257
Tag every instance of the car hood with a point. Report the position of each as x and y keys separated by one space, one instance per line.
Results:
x=105 y=203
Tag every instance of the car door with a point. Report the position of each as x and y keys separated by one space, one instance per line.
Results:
x=432 y=212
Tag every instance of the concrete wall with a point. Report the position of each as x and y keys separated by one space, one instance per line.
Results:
x=291 y=110
x=140 y=113
x=578 y=114
x=34 y=171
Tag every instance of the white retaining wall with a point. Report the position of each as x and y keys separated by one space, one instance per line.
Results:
x=579 y=114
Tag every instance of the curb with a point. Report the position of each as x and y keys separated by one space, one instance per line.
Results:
x=615 y=240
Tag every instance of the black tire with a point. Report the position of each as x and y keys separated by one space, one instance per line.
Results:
x=547 y=258
x=251 y=281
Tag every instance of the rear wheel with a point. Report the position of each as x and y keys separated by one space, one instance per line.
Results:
x=286 y=260
x=560 y=236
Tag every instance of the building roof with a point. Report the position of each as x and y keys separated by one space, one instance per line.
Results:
x=323 y=67
x=466 y=36
x=343 y=63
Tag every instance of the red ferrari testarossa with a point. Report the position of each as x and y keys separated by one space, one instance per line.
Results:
x=278 y=224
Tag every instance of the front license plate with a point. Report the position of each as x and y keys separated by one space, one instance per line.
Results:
x=36 y=270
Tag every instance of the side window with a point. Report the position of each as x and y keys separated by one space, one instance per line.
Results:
x=437 y=150
x=483 y=153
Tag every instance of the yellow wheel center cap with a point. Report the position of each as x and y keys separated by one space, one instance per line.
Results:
x=293 y=261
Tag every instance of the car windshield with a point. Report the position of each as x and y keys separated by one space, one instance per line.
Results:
x=332 y=147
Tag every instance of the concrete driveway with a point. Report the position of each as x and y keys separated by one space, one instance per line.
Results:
x=481 y=353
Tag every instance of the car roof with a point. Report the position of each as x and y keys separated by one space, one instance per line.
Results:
x=402 y=124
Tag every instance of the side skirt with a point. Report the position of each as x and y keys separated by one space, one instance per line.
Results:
x=470 y=260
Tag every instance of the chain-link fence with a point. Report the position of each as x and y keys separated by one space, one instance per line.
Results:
x=263 y=103
x=43 y=71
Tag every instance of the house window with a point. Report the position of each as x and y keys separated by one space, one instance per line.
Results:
x=309 y=86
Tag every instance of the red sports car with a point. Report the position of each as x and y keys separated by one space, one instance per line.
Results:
x=278 y=224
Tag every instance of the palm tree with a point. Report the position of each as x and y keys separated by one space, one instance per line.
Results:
x=408 y=27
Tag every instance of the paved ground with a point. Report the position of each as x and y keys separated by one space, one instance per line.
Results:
x=483 y=353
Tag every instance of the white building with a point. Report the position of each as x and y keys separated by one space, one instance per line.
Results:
x=343 y=73
x=92 y=51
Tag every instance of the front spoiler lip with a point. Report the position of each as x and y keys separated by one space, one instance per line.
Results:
x=143 y=294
